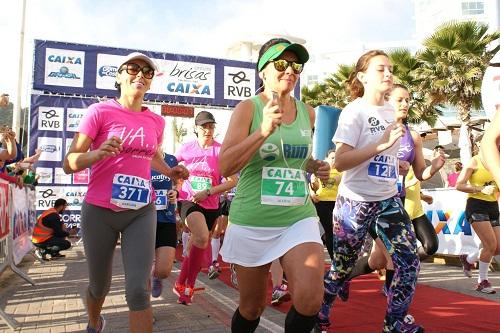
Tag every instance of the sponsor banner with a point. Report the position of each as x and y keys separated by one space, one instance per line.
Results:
x=46 y=175
x=90 y=70
x=239 y=83
x=50 y=119
x=74 y=115
x=51 y=148
x=64 y=67
x=447 y=214
x=4 y=209
x=81 y=177
x=23 y=221
x=47 y=195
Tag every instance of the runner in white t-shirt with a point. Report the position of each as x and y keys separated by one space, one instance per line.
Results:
x=367 y=141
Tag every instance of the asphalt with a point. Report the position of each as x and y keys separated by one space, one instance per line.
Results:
x=56 y=302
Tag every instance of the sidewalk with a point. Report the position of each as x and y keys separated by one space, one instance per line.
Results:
x=56 y=303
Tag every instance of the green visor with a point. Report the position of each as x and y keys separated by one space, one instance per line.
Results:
x=276 y=50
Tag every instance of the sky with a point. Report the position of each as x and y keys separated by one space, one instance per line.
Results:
x=195 y=27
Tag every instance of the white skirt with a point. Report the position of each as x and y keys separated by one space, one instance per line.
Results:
x=257 y=246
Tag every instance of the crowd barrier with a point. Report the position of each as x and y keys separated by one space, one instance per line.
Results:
x=17 y=219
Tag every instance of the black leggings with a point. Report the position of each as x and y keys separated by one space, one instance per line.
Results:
x=426 y=234
x=325 y=214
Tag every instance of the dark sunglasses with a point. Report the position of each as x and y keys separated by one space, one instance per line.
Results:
x=134 y=69
x=281 y=65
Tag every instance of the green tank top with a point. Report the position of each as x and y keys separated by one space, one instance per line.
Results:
x=482 y=177
x=272 y=189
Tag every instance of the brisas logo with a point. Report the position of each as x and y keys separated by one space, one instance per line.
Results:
x=65 y=59
x=108 y=71
x=64 y=73
x=269 y=152
x=49 y=148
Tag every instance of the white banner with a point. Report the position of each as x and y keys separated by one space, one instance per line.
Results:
x=447 y=214
x=64 y=67
x=23 y=221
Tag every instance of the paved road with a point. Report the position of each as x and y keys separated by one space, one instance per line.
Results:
x=55 y=304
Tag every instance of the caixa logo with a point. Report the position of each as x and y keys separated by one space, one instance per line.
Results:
x=64 y=73
x=445 y=217
x=49 y=148
x=65 y=60
x=108 y=71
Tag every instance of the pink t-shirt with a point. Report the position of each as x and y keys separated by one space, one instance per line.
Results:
x=203 y=166
x=141 y=132
x=452 y=179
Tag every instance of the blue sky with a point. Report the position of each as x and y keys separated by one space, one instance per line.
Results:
x=196 y=27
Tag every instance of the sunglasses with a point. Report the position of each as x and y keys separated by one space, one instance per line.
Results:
x=134 y=69
x=281 y=65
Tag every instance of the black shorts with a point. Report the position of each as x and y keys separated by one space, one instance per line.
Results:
x=188 y=207
x=224 y=207
x=479 y=210
x=166 y=235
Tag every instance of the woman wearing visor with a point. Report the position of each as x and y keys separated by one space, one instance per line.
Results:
x=120 y=140
x=269 y=142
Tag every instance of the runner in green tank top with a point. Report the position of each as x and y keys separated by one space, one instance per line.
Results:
x=272 y=217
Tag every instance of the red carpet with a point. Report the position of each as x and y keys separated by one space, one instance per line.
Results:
x=438 y=310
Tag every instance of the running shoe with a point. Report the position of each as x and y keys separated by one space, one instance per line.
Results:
x=280 y=294
x=187 y=297
x=322 y=324
x=485 y=287
x=343 y=292
x=411 y=328
x=57 y=255
x=157 y=287
x=214 y=270
x=99 y=329
x=465 y=265
x=234 y=277
x=41 y=254
x=178 y=289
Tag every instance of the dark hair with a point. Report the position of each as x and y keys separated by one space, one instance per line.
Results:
x=60 y=202
x=264 y=48
x=394 y=87
x=118 y=88
x=355 y=86
x=458 y=166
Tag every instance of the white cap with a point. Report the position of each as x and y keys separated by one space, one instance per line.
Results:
x=140 y=56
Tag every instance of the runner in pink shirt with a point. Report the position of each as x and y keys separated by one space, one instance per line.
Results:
x=199 y=200
x=120 y=140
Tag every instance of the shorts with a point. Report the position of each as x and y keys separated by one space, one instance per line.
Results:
x=188 y=207
x=166 y=234
x=477 y=210
x=224 y=207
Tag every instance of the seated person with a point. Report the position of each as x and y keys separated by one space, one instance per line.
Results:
x=49 y=234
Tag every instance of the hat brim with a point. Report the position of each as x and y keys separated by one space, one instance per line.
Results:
x=139 y=56
x=205 y=121
x=275 y=51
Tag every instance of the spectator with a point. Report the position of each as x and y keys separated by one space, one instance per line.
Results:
x=49 y=234
x=453 y=176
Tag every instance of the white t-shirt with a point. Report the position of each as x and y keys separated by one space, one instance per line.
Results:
x=360 y=125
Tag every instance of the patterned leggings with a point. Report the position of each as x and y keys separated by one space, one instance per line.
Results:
x=351 y=220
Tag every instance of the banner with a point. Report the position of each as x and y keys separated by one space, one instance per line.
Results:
x=23 y=221
x=4 y=209
x=90 y=70
x=447 y=214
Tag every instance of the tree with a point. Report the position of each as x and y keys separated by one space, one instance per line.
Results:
x=453 y=63
x=405 y=65
x=333 y=92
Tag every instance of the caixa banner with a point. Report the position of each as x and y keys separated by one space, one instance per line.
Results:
x=68 y=68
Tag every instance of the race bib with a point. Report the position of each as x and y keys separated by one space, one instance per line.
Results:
x=382 y=169
x=200 y=183
x=161 y=201
x=130 y=192
x=283 y=187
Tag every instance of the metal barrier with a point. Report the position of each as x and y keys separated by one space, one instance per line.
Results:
x=6 y=241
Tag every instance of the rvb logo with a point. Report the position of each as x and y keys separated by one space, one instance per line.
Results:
x=108 y=71
x=375 y=125
x=269 y=152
